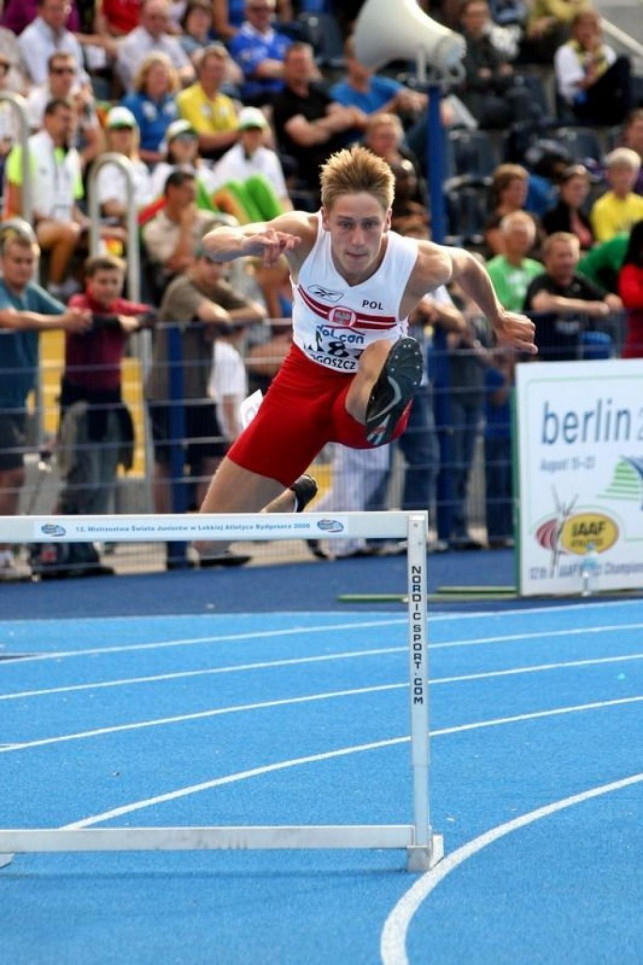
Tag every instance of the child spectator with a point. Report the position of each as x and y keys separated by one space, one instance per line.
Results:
x=619 y=207
x=96 y=432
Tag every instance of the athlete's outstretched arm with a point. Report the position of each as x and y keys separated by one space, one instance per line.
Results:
x=266 y=240
x=510 y=328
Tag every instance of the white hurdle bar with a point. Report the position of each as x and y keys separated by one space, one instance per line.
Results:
x=424 y=848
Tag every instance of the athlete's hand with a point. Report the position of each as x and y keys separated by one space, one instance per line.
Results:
x=516 y=331
x=270 y=245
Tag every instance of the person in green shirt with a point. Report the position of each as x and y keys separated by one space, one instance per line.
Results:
x=602 y=263
x=512 y=271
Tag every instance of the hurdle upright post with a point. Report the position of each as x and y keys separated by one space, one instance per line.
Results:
x=419 y=854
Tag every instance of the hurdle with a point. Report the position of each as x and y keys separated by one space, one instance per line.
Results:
x=423 y=847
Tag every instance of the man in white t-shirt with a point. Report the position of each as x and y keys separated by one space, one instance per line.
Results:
x=56 y=187
x=251 y=156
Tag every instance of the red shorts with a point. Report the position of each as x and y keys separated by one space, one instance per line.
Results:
x=304 y=408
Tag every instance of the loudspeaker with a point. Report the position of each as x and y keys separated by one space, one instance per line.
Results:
x=401 y=31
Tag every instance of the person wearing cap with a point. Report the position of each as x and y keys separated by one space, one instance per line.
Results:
x=252 y=172
x=182 y=153
x=259 y=50
x=111 y=181
x=200 y=293
x=211 y=113
x=153 y=103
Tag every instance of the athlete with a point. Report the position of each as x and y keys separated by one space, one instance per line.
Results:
x=352 y=370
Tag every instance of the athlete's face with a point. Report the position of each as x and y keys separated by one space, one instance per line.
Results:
x=357 y=223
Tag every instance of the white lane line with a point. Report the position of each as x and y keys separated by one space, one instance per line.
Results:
x=201 y=715
x=393 y=940
x=326 y=755
x=349 y=655
x=225 y=638
x=441 y=616
x=302 y=631
x=540 y=634
x=236 y=668
x=221 y=711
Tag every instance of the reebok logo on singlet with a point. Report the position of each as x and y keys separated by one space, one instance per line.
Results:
x=321 y=292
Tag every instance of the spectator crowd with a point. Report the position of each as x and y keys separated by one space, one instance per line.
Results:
x=204 y=112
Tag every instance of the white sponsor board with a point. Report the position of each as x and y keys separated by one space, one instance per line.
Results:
x=580 y=466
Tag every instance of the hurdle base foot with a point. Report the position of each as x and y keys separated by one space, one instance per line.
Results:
x=420 y=858
x=5 y=859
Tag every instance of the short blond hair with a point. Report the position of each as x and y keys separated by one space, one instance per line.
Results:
x=354 y=170
x=518 y=217
x=623 y=157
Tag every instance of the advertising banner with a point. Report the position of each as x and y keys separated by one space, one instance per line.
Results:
x=580 y=476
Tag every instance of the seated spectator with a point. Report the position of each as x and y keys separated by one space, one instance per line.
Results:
x=117 y=18
x=18 y=14
x=15 y=79
x=259 y=51
x=512 y=271
x=308 y=125
x=111 y=181
x=46 y=35
x=564 y=302
x=96 y=433
x=153 y=104
x=63 y=84
x=591 y=80
x=196 y=24
x=548 y=26
x=373 y=93
x=630 y=289
x=25 y=310
x=182 y=154
x=409 y=211
x=568 y=213
x=250 y=157
x=384 y=136
x=8 y=120
x=198 y=294
x=633 y=138
x=602 y=263
x=229 y=15
x=491 y=90
x=172 y=236
x=508 y=193
x=210 y=112
x=57 y=187
x=151 y=36
x=618 y=209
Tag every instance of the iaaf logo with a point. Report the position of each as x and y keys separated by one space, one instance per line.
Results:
x=53 y=529
x=325 y=293
x=575 y=533
x=330 y=526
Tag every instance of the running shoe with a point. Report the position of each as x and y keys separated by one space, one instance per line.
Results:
x=305 y=490
x=393 y=391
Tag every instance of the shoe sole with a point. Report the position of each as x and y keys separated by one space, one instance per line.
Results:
x=397 y=383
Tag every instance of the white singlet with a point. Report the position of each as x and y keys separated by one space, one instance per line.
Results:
x=333 y=322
